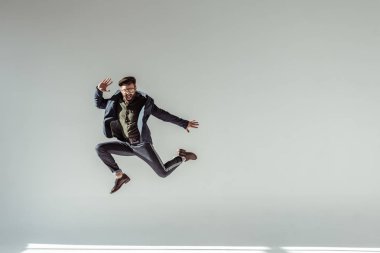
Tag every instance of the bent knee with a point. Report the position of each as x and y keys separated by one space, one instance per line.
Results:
x=163 y=175
x=99 y=147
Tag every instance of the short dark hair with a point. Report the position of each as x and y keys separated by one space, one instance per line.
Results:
x=127 y=81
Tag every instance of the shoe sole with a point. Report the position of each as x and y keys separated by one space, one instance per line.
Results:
x=126 y=181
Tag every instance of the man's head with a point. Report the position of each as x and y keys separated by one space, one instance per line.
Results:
x=128 y=87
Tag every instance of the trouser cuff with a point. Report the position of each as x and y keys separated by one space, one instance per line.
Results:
x=117 y=171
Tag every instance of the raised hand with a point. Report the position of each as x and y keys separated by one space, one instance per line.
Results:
x=102 y=86
x=192 y=124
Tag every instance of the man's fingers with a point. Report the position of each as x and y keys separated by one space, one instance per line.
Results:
x=104 y=81
x=104 y=84
x=107 y=81
x=194 y=124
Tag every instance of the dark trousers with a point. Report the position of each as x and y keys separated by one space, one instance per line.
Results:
x=144 y=150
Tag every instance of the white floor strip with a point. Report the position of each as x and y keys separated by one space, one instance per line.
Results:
x=61 y=248
x=329 y=250
x=55 y=248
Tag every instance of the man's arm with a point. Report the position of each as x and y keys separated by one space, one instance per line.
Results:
x=165 y=116
x=101 y=102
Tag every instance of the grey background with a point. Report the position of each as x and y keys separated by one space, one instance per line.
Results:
x=286 y=93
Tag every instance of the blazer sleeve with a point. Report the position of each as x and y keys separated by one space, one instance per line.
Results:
x=165 y=116
x=100 y=102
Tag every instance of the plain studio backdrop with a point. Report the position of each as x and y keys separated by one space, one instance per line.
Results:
x=286 y=94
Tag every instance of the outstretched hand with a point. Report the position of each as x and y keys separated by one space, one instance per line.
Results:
x=102 y=86
x=192 y=124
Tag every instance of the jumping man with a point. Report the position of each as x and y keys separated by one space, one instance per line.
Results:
x=125 y=118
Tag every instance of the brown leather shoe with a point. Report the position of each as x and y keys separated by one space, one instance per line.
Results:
x=119 y=182
x=187 y=155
